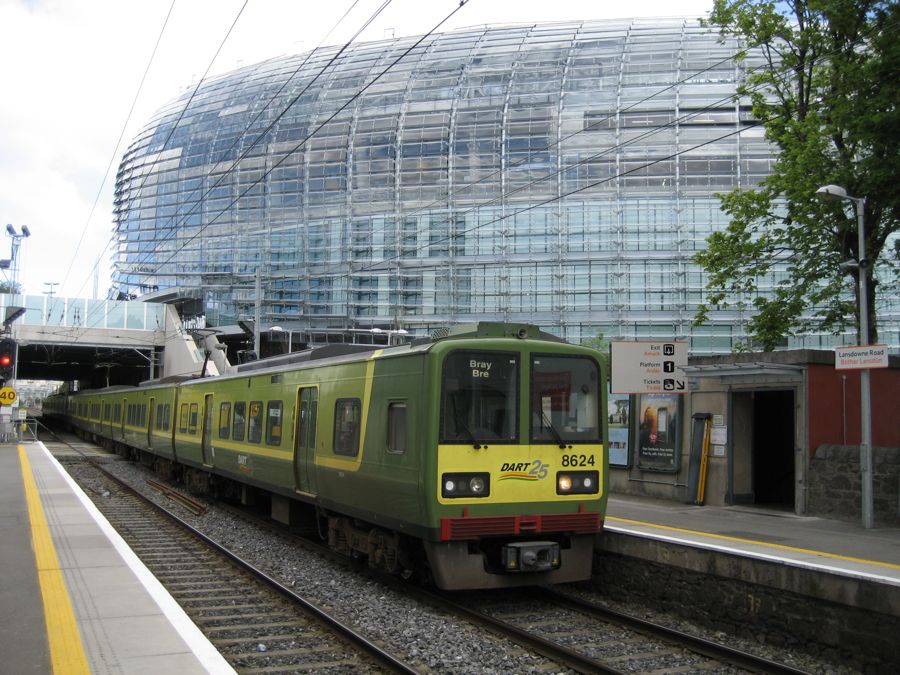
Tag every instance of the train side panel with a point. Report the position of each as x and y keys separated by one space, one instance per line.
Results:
x=371 y=430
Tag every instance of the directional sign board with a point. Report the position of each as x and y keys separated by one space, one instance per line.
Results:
x=859 y=358
x=648 y=367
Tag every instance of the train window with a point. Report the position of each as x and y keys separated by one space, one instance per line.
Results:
x=273 y=422
x=117 y=413
x=143 y=414
x=347 y=416
x=183 y=418
x=396 y=431
x=224 y=420
x=237 y=427
x=254 y=422
x=565 y=399
x=192 y=424
x=167 y=412
x=159 y=417
x=106 y=411
x=479 y=397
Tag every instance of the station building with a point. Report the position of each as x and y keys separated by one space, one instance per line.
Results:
x=561 y=174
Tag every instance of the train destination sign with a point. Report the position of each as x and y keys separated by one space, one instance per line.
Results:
x=648 y=367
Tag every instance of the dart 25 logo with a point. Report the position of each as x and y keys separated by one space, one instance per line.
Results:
x=527 y=471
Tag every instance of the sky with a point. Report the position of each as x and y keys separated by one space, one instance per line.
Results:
x=77 y=83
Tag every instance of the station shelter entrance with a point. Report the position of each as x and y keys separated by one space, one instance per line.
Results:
x=773 y=430
x=764 y=467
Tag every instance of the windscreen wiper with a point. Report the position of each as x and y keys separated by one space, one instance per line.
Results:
x=469 y=434
x=553 y=431
x=462 y=425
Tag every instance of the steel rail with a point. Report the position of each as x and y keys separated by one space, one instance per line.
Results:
x=676 y=637
x=362 y=643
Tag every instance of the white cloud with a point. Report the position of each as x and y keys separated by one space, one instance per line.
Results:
x=72 y=68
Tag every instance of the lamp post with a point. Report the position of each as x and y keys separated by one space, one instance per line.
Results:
x=16 y=242
x=837 y=193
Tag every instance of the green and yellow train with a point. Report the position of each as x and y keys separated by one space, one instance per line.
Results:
x=477 y=456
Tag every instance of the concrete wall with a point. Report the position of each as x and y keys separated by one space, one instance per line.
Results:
x=182 y=356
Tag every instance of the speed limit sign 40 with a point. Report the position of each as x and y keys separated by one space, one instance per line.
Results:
x=7 y=396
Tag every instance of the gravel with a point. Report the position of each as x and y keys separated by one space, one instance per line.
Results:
x=423 y=637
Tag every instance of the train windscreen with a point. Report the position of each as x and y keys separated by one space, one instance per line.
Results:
x=479 y=398
x=565 y=400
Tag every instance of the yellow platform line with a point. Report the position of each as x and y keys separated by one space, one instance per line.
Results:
x=66 y=650
x=725 y=537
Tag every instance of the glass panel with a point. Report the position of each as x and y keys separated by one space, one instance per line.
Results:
x=397 y=428
x=224 y=420
x=237 y=429
x=479 y=397
x=255 y=422
x=565 y=399
x=273 y=423
x=347 y=415
x=192 y=426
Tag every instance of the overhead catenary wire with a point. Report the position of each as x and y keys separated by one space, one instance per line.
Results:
x=115 y=151
x=329 y=119
x=384 y=4
x=224 y=153
x=483 y=224
x=193 y=93
x=601 y=121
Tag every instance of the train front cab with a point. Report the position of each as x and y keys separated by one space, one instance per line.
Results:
x=520 y=473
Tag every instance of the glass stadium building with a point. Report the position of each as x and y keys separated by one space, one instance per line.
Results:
x=561 y=174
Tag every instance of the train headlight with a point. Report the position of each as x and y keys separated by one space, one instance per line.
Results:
x=458 y=485
x=577 y=482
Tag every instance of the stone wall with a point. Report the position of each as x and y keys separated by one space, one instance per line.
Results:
x=835 y=485
x=781 y=608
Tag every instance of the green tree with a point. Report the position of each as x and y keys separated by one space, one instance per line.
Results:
x=829 y=99
x=601 y=344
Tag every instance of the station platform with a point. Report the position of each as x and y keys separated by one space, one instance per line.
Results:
x=75 y=597
x=829 y=559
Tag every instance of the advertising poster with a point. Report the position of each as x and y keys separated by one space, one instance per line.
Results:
x=657 y=442
x=619 y=418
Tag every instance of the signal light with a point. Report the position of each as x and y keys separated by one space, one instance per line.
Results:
x=8 y=349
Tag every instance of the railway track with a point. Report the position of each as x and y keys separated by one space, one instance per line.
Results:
x=555 y=628
x=256 y=623
x=589 y=638
x=582 y=636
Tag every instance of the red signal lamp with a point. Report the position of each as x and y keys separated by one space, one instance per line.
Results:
x=5 y=360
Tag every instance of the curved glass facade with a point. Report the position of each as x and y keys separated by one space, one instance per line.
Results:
x=562 y=175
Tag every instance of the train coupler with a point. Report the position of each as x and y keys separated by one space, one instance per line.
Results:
x=530 y=556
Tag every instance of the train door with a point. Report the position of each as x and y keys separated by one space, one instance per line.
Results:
x=305 y=440
x=151 y=418
x=206 y=433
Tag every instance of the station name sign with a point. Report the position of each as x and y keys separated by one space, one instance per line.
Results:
x=648 y=367
x=859 y=358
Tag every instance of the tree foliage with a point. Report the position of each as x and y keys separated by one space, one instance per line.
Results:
x=601 y=344
x=828 y=97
